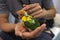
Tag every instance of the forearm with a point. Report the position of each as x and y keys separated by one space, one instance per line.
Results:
x=48 y=14
x=7 y=27
x=4 y=24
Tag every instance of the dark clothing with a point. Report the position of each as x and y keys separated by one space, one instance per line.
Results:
x=9 y=36
x=14 y=5
x=43 y=36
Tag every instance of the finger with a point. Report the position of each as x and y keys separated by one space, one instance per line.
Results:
x=34 y=9
x=37 y=12
x=30 y=6
x=19 y=34
x=38 y=15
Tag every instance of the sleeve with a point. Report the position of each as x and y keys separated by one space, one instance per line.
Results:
x=47 y=4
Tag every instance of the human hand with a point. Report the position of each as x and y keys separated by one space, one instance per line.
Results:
x=19 y=27
x=31 y=34
x=35 y=10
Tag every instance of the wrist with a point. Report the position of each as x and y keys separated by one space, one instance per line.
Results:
x=43 y=14
x=13 y=26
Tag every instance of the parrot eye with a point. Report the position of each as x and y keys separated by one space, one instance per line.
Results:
x=21 y=15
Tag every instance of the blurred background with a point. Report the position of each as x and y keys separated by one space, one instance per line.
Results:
x=57 y=6
x=56 y=29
